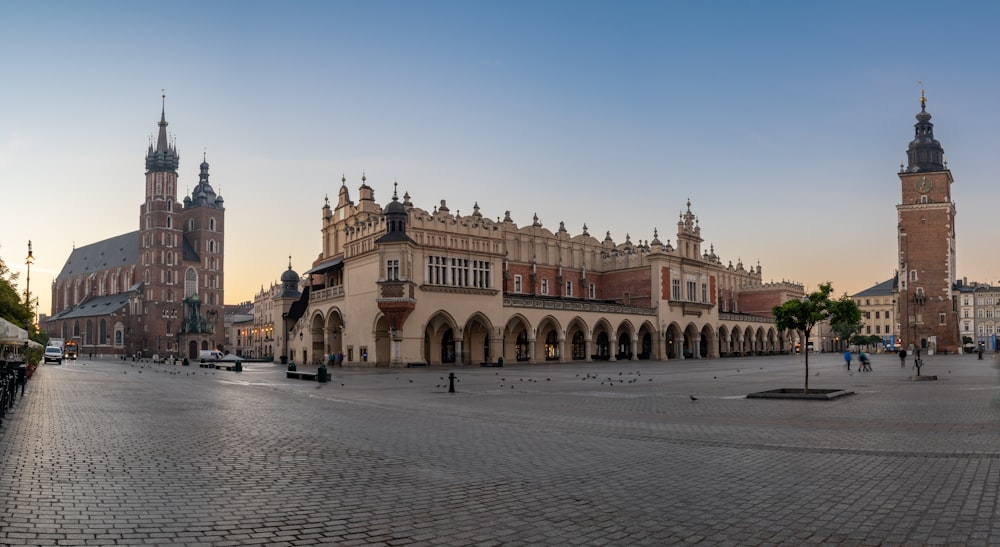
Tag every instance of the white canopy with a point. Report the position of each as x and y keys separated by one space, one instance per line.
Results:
x=11 y=333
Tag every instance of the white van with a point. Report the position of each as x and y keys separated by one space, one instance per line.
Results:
x=54 y=353
x=209 y=355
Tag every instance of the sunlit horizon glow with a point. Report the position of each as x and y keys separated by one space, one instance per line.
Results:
x=785 y=125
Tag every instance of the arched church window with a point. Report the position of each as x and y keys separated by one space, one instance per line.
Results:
x=190 y=282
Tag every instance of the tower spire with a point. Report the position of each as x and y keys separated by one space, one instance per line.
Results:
x=924 y=153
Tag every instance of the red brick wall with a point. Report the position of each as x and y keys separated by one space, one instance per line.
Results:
x=634 y=282
x=665 y=283
x=760 y=302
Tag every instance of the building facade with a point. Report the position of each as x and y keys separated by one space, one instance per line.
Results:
x=928 y=316
x=878 y=313
x=401 y=285
x=144 y=291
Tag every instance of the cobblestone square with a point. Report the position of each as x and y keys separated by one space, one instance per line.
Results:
x=613 y=453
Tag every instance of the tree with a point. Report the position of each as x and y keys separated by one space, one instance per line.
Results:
x=802 y=315
x=12 y=308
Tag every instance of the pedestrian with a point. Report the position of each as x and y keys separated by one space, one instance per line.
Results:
x=902 y=358
x=980 y=352
x=340 y=358
x=866 y=365
x=847 y=359
x=333 y=359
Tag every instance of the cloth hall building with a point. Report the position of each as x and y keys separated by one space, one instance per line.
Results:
x=400 y=285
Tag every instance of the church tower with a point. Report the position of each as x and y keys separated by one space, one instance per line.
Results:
x=160 y=246
x=926 y=214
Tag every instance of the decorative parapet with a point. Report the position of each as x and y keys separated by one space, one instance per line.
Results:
x=574 y=305
x=744 y=317
x=330 y=293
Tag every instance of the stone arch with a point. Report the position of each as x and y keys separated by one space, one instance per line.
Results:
x=707 y=345
x=333 y=331
x=476 y=343
x=577 y=340
x=674 y=341
x=747 y=341
x=549 y=340
x=724 y=341
x=383 y=342
x=646 y=346
x=625 y=341
x=440 y=334
x=315 y=334
x=518 y=339
x=772 y=341
x=692 y=342
x=603 y=344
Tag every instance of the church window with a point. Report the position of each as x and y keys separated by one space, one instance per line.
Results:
x=170 y=204
x=913 y=275
x=211 y=224
x=170 y=222
x=190 y=282
x=942 y=319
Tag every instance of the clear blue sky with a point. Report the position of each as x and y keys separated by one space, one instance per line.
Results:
x=783 y=122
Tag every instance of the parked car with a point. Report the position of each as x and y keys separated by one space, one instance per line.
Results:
x=53 y=353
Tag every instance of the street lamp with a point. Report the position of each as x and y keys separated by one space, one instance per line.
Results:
x=27 y=287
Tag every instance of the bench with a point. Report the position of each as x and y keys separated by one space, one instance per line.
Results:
x=491 y=364
x=298 y=375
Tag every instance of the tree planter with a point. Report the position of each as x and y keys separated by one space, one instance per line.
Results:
x=797 y=393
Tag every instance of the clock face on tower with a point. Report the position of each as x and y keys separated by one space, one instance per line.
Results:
x=924 y=185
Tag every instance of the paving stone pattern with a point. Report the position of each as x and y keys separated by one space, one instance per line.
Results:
x=112 y=453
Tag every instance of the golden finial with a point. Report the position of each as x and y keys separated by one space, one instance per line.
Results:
x=923 y=99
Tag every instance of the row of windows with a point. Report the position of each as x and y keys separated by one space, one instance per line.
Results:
x=879 y=329
x=170 y=221
x=543 y=287
x=692 y=293
x=456 y=272
x=878 y=314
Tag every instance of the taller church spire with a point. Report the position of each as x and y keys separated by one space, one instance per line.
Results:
x=162 y=156
x=924 y=153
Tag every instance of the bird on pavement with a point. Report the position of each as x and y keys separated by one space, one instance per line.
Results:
x=693 y=398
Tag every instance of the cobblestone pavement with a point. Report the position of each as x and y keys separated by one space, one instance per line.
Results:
x=113 y=453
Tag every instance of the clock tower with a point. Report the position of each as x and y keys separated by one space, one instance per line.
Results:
x=926 y=311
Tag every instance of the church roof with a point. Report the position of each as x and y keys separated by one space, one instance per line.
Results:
x=120 y=250
x=101 y=305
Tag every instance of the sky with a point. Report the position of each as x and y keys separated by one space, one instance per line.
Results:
x=783 y=123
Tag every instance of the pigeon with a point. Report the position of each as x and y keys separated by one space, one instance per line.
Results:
x=693 y=398
x=411 y=381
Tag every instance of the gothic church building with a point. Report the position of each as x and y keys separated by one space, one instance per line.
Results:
x=155 y=290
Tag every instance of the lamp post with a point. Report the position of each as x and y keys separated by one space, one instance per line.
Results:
x=27 y=288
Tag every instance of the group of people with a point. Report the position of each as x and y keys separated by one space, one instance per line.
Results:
x=865 y=363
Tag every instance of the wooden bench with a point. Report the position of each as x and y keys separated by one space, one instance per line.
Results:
x=299 y=375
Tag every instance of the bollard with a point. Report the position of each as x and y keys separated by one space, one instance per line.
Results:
x=451 y=382
x=321 y=374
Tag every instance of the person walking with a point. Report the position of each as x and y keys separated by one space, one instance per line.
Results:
x=866 y=365
x=847 y=359
x=902 y=358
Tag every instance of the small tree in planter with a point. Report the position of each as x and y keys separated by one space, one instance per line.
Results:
x=802 y=315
